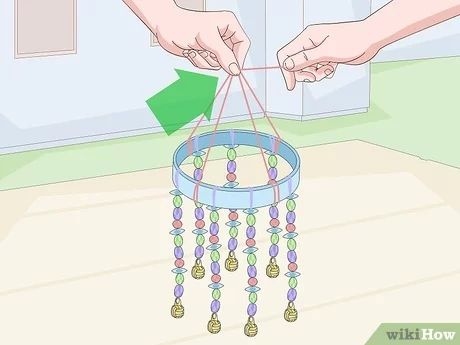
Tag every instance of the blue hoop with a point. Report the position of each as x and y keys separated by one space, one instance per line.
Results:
x=236 y=198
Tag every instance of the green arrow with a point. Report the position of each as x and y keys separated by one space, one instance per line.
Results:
x=181 y=102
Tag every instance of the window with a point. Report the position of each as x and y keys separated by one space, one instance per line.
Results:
x=197 y=5
x=45 y=27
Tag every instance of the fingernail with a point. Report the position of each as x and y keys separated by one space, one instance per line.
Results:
x=328 y=72
x=192 y=54
x=234 y=69
x=307 y=80
x=289 y=64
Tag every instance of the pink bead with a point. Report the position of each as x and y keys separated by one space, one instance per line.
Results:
x=290 y=227
x=214 y=239
x=252 y=281
x=199 y=224
x=231 y=177
x=177 y=224
x=215 y=278
x=179 y=263
x=274 y=223
x=250 y=242
x=292 y=267
x=233 y=216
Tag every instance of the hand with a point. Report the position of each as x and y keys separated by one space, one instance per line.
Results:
x=317 y=51
x=209 y=40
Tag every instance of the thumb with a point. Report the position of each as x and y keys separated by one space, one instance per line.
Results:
x=306 y=58
x=225 y=56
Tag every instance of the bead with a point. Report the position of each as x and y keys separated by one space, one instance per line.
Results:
x=252 y=259
x=231 y=154
x=180 y=279
x=178 y=240
x=178 y=253
x=177 y=224
x=214 y=228
x=251 y=220
x=290 y=217
x=215 y=278
x=251 y=232
x=214 y=324
x=231 y=177
x=214 y=239
x=215 y=268
x=252 y=309
x=290 y=228
x=179 y=263
x=198 y=204
x=215 y=306
x=233 y=216
x=292 y=245
x=200 y=240
x=200 y=224
x=177 y=201
x=292 y=256
x=250 y=242
x=274 y=223
x=290 y=315
x=216 y=294
x=272 y=182
x=292 y=267
x=199 y=252
x=178 y=291
x=290 y=205
x=198 y=270
x=231 y=166
x=274 y=250
x=231 y=263
x=252 y=271
x=272 y=161
x=233 y=231
x=292 y=295
x=232 y=244
x=199 y=213
x=177 y=310
x=253 y=297
x=275 y=238
x=198 y=174
x=273 y=173
x=273 y=211
x=292 y=282
x=252 y=281
x=177 y=213
x=198 y=162
x=250 y=329
x=214 y=216
x=215 y=256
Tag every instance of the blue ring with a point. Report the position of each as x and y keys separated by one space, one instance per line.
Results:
x=236 y=198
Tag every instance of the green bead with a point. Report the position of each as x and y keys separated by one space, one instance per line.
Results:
x=214 y=216
x=290 y=205
x=291 y=244
x=179 y=278
x=233 y=231
x=231 y=154
x=252 y=259
x=198 y=205
x=198 y=162
x=177 y=201
x=251 y=220
x=216 y=294
x=293 y=282
x=272 y=161
x=215 y=256
x=275 y=238
x=253 y=297
x=178 y=240
x=200 y=240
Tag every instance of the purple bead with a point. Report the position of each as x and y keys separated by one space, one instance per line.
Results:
x=290 y=217
x=199 y=213
x=274 y=250
x=273 y=173
x=178 y=291
x=215 y=267
x=252 y=271
x=199 y=252
x=292 y=256
x=232 y=244
x=214 y=228
x=177 y=213
x=231 y=167
x=251 y=232
x=274 y=212
x=252 y=309
x=198 y=174
x=178 y=252
x=215 y=306
x=292 y=295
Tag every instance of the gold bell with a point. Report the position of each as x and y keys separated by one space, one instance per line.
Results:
x=251 y=328
x=198 y=270
x=231 y=263
x=214 y=325
x=273 y=270
x=290 y=315
x=177 y=310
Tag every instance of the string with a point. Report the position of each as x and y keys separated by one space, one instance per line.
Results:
x=260 y=68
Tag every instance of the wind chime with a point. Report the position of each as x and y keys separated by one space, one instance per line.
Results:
x=230 y=205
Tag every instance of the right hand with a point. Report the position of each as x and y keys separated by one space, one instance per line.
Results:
x=316 y=52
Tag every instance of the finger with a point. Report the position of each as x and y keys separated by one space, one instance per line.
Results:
x=209 y=59
x=334 y=66
x=186 y=53
x=324 y=72
x=305 y=76
x=235 y=37
x=289 y=77
x=223 y=53
x=199 y=61
x=305 y=58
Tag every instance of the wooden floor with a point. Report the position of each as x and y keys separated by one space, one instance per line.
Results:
x=88 y=262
